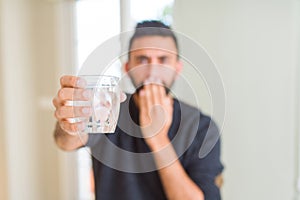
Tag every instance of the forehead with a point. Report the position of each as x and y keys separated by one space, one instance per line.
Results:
x=154 y=44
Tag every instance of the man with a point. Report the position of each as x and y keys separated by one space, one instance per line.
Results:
x=150 y=121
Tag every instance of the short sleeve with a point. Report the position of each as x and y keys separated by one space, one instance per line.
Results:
x=202 y=160
x=93 y=139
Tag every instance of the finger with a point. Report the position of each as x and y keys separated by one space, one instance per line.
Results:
x=56 y=103
x=71 y=94
x=163 y=102
x=72 y=81
x=155 y=94
x=150 y=86
x=169 y=109
x=161 y=94
x=148 y=97
x=144 y=112
x=65 y=112
x=72 y=128
x=123 y=97
x=142 y=100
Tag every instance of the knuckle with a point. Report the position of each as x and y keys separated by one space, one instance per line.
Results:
x=86 y=94
x=78 y=94
x=67 y=80
x=72 y=80
x=56 y=114
x=61 y=124
x=54 y=102
x=61 y=80
x=61 y=111
x=67 y=127
x=74 y=127
x=61 y=93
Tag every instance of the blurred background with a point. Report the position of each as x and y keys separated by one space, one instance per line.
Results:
x=254 y=44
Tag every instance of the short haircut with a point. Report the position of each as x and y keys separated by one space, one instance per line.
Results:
x=152 y=28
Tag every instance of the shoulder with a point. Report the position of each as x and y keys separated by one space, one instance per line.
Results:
x=206 y=131
x=194 y=114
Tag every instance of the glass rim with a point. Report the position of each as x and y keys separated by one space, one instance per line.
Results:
x=100 y=76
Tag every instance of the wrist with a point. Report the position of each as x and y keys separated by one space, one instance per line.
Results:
x=156 y=143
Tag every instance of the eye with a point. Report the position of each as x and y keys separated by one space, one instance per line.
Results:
x=163 y=59
x=142 y=60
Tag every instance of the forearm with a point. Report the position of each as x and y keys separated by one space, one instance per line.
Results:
x=67 y=141
x=177 y=184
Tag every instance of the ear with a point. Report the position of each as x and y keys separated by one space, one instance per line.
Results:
x=178 y=69
x=179 y=66
x=126 y=67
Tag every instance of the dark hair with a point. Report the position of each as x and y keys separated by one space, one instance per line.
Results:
x=152 y=28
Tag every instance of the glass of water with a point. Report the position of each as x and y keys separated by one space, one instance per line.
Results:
x=104 y=101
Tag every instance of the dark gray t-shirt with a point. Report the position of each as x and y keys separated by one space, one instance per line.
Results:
x=123 y=164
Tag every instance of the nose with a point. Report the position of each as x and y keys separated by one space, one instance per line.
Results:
x=154 y=70
x=154 y=61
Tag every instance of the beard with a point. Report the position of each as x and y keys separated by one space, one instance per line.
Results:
x=138 y=89
x=153 y=77
x=139 y=86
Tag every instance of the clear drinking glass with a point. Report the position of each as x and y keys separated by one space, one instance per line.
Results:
x=105 y=103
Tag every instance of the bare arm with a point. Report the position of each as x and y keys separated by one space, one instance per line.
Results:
x=177 y=184
x=68 y=134
x=155 y=123
x=68 y=142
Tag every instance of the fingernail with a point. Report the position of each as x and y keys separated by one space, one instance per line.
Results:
x=142 y=93
x=86 y=94
x=81 y=126
x=81 y=83
x=85 y=110
x=123 y=96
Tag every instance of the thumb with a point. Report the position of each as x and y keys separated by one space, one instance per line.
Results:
x=123 y=96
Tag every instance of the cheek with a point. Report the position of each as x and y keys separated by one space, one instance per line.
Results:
x=167 y=74
x=138 y=74
x=170 y=78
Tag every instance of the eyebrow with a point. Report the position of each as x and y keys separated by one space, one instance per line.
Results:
x=163 y=57
x=146 y=57
x=141 y=57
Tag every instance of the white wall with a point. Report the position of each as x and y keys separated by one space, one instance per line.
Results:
x=254 y=46
x=17 y=75
x=32 y=59
x=3 y=171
